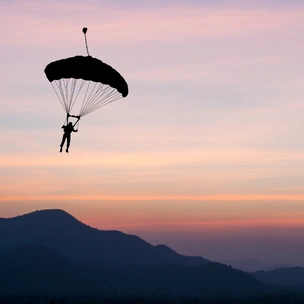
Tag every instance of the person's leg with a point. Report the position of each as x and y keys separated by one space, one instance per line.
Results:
x=68 y=143
x=62 y=142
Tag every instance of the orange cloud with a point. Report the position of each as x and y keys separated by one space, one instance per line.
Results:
x=202 y=198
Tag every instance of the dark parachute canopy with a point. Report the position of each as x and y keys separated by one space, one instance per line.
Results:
x=85 y=78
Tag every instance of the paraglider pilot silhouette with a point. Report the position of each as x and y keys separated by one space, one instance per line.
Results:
x=68 y=129
x=86 y=82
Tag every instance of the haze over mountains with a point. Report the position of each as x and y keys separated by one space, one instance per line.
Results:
x=51 y=252
x=252 y=265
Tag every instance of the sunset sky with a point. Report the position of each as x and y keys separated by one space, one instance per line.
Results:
x=205 y=154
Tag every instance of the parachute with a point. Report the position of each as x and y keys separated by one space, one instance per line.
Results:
x=87 y=79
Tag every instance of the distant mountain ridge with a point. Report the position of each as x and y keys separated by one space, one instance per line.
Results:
x=61 y=232
x=252 y=265
x=292 y=276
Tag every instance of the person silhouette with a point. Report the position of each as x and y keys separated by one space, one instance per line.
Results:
x=68 y=129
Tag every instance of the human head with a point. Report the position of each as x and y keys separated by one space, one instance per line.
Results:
x=70 y=124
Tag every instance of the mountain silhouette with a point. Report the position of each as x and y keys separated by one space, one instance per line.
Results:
x=50 y=252
x=61 y=232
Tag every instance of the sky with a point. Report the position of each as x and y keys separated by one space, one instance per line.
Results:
x=205 y=154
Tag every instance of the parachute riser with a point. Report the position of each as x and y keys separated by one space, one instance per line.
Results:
x=66 y=121
x=84 y=30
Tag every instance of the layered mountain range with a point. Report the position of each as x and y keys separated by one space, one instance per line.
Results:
x=49 y=252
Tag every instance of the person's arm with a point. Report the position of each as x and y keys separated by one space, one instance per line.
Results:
x=76 y=123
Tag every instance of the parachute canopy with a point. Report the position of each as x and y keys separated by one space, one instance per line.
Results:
x=99 y=83
x=86 y=68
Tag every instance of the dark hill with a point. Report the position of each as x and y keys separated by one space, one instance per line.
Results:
x=211 y=279
x=37 y=270
x=35 y=256
x=61 y=232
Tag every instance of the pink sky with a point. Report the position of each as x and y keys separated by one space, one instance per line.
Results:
x=207 y=146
